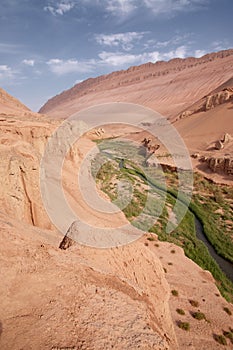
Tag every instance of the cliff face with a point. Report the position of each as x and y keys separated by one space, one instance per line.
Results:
x=167 y=87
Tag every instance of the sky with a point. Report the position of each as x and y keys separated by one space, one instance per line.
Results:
x=48 y=46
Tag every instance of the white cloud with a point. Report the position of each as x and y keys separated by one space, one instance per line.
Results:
x=199 y=53
x=171 y=7
x=120 y=58
x=122 y=7
x=180 y=52
x=29 y=62
x=5 y=72
x=171 y=42
x=60 y=8
x=124 y=40
x=61 y=67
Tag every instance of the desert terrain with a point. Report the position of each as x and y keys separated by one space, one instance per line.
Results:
x=92 y=294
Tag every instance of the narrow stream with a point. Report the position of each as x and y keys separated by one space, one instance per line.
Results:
x=225 y=265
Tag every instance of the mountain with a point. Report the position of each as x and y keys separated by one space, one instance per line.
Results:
x=167 y=87
x=9 y=104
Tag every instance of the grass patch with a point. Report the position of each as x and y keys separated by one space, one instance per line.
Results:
x=198 y=316
x=183 y=325
x=180 y=311
x=211 y=204
x=194 y=303
x=175 y=293
x=219 y=338
x=229 y=335
x=227 y=310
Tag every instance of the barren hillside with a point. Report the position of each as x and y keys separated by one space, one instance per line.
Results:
x=167 y=87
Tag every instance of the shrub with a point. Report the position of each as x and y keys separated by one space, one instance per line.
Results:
x=151 y=239
x=180 y=311
x=229 y=335
x=175 y=293
x=170 y=263
x=165 y=270
x=156 y=245
x=228 y=311
x=173 y=251
x=219 y=338
x=194 y=303
x=198 y=316
x=184 y=325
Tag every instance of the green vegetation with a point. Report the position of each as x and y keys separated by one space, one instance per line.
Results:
x=219 y=338
x=151 y=239
x=153 y=195
x=194 y=303
x=184 y=325
x=198 y=315
x=229 y=335
x=180 y=311
x=175 y=293
x=227 y=310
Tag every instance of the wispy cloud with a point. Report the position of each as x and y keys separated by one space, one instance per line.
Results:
x=9 y=48
x=118 y=59
x=59 y=8
x=172 y=7
x=6 y=72
x=124 y=40
x=28 y=62
x=61 y=67
x=7 y=75
x=122 y=7
x=171 y=42
x=199 y=53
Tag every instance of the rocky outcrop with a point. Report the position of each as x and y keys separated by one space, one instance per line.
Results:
x=221 y=165
x=218 y=99
x=220 y=144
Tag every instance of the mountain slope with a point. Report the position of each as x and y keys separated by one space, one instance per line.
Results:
x=9 y=104
x=168 y=87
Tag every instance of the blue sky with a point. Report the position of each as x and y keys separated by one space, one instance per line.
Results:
x=46 y=46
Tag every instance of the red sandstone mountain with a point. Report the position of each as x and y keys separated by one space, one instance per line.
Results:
x=167 y=87
x=10 y=105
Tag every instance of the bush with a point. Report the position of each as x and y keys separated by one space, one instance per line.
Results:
x=173 y=251
x=228 y=311
x=175 y=293
x=184 y=325
x=219 y=338
x=194 y=303
x=198 y=316
x=151 y=239
x=229 y=335
x=180 y=311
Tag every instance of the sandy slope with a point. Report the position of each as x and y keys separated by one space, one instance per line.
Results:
x=167 y=87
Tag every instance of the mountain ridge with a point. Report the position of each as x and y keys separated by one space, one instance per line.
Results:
x=133 y=76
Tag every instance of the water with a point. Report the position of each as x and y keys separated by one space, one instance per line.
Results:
x=225 y=265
